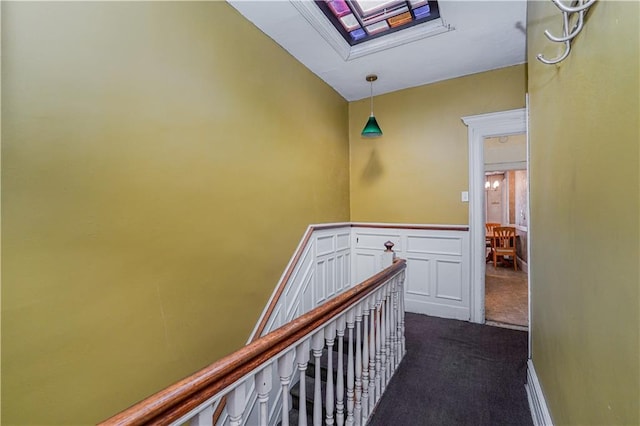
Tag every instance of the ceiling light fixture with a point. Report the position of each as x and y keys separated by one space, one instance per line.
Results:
x=490 y=183
x=371 y=129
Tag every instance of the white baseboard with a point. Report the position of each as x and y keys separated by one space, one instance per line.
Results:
x=537 y=403
x=522 y=264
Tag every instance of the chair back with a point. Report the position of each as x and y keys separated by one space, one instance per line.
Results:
x=504 y=236
x=489 y=227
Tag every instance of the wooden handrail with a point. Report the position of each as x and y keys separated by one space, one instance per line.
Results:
x=178 y=399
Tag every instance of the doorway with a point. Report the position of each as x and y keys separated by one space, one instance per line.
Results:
x=480 y=127
x=506 y=205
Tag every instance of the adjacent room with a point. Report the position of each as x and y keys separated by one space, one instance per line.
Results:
x=506 y=213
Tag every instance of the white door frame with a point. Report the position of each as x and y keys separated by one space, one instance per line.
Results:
x=480 y=127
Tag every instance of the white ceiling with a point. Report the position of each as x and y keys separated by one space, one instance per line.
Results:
x=485 y=35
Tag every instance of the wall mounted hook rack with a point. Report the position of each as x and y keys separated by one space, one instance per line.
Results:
x=581 y=7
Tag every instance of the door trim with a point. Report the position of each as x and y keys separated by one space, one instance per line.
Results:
x=480 y=127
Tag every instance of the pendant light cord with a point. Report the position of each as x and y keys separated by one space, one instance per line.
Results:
x=371 y=97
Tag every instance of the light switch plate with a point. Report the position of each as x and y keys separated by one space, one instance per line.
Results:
x=465 y=196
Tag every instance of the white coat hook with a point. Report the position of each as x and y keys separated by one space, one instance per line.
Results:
x=567 y=34
x=574 y=32
x=568 y=9
x=567 y=45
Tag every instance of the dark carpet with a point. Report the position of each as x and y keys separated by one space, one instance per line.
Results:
x=457 y=373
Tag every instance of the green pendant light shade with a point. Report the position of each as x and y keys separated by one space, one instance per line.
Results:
x=371 y=129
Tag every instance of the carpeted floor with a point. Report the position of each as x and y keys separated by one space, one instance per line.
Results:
x=506 y=296
x=457 y=373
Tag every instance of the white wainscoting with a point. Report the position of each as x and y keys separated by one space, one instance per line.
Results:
x=322 y=271
x=437 y=279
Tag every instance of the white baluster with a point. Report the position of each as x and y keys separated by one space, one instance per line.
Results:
x=203 y=418
x=387 y=330
x=340 y=326
x=399 y=297
x=363 y=409
x=317 y=344
x=285 y=371
x=236 y=402
x=350 y=372
x=398 y=317
x=393 y=327
x=378 y=345
x=263 y=383
x=401 y=313
x=302 y=359
x=383 y=338
x=329 y=336
x=372 y=355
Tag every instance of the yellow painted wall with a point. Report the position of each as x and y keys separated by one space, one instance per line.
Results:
x=159 y=166
x=584 y=144
x=415 y=172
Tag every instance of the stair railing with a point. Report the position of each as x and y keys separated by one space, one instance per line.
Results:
x=373 y=311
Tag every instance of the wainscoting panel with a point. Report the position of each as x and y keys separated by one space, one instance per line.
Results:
x=367 y=263
x=330 y=278
x=434 y=245
x=437 y=279
x=325 y=245
x=293 y=294
x=372 y=240
x=307 y=298
x=343 y=241
x=449 y=280
x=418 y=277
x=321 y=280
x=332 y=248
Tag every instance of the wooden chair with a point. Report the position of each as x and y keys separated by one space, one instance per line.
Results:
x=489 y=227
x=489 y=232
x=504 y=244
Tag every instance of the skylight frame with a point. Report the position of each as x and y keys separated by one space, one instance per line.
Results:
x=381 y=16
x=328 y=32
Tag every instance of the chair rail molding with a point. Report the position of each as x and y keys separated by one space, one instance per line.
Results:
x=480 y=127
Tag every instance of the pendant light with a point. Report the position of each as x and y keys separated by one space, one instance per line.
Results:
x=371 y=129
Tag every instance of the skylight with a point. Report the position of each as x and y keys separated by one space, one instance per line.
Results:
x=362 y=20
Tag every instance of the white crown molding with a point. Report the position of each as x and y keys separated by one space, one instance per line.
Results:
x=320 y=23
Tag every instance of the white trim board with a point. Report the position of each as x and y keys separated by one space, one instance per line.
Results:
x=537 y=403
x=500 y=167
x=480 y=127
